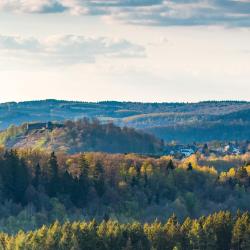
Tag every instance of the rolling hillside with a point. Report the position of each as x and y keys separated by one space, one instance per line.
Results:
x=184 y=122
x=81 y=135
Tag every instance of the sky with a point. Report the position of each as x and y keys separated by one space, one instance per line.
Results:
x=127 y=50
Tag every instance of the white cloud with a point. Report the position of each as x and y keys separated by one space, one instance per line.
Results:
x=147 y=12
x=32 y=6
x=67 y=49
x=181 y=63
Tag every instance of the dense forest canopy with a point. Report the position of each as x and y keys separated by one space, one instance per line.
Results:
x=38 y=188
x=219 y=231
x=184 y=122
x=81 y=135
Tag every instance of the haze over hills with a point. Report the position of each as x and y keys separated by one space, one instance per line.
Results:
x=184 y=122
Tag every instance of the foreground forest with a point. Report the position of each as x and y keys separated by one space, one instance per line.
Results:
x=184 y=122
x=38 y=188
x=219 y=231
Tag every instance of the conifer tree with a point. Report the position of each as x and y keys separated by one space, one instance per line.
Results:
x=98 y=178
x=14 y=176
x=190 y=167
x=21 y=178
x=9 y=173
x=67 y=183
x=241 y=233
x=241 y=173
x=170 y=165
x=83 y=166
x=83 y=180
x=52 y=175
x=37 y=177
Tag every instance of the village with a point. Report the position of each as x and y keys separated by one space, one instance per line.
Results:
x=211 y=148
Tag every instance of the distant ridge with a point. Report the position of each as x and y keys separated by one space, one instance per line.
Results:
x=184 y=122
x=115 y=102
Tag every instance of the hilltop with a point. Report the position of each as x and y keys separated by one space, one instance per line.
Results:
x=184 y=122
x=81 y=135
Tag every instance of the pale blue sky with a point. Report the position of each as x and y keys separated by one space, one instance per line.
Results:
x=140 y=50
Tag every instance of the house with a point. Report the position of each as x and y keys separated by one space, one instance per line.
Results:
x=52 y=125
x=187 y=151
x=36 y=126
x=43 y=125
x=232 y=149
x=236 y=151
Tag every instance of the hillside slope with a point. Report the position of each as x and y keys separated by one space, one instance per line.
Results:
x=82 y=135
x=185 y=122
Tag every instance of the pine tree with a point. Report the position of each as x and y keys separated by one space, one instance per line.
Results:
x=241 y=233
x=241 y=173
x=185 y=233
x=172 y=229
x=190 y=167
x=9 y=173
x=205 y=149
x=15 y=176
x=83 y=181
x=83 y=166
x=98 y=178
x=52 y=175
x=37 y=178
x=170 y=165
x=21 y=181
x=67 y=183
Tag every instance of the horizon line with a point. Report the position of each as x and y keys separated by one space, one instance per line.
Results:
x=124 y=101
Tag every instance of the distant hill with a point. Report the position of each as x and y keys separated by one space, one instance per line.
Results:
x=184 y=122
x=80 y=136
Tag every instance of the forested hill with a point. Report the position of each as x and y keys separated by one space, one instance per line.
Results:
x=184 y=122
x=81 y=135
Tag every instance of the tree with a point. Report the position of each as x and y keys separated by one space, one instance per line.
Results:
x=190 y=167
x=8 y=172
x=15 y=176
x=185 y=233
x=241 y=233
x=170 y=165
x=52 y=175
x=98 y=178
x=37 y=178
x=83 y=166
x=241 y=173
x=172 y=229
x=67 y=184
x=171 y=168
x=21 y=180
x=205 y=149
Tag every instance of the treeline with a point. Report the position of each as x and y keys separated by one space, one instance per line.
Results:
x=219 y=231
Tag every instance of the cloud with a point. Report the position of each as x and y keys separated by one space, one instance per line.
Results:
x=32 y=6
x=188 y=13
x=67 y=49
x=153 y=12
